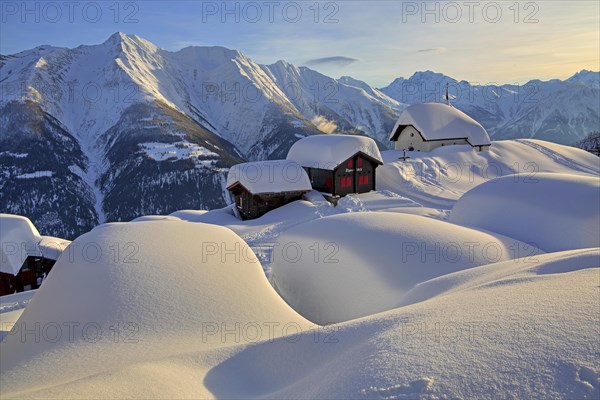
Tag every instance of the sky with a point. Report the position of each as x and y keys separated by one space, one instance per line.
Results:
x=374 y=41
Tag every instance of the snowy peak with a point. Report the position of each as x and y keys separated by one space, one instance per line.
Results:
x=586 y=77
x=129 y=41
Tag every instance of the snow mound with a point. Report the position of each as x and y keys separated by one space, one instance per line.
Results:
x=436 y=121
x=529 y=334
x=269 y=177
x=329 y=151
x=136 y=291
x=553 y=212
x=347 y=266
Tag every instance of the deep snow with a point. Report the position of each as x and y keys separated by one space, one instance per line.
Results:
x=186 y=311
x=348 y=266
x=551 y=211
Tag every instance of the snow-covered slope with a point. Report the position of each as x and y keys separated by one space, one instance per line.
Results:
x=442 y=176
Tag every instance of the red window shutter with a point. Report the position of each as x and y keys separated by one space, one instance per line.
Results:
x=328 y=183
x=359 y=162
x=350 y=163
x=363 y=180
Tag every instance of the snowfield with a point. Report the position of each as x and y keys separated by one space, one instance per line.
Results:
x=176 y=151
x=465 y=275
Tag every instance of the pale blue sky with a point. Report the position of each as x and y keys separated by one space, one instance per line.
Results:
x=375 y=41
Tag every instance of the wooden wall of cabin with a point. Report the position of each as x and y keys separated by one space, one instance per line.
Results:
x=365 y=175
x=32 y=271
x=321 y=180
x=355 y=175
x=254 y=206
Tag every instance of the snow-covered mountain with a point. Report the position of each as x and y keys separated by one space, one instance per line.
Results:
x=555 y=110
x=112 y=131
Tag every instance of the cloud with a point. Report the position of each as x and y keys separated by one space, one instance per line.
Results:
x=338 y=61
x=437 y=50
x=323 y=124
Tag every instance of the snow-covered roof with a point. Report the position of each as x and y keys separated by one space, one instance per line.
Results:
x=329 y=151
x=269 y=177
x=436 y=121
x=20 y=239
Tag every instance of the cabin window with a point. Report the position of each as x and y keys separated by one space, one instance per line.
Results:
x=346 y=181
x=349 y=163
x=328 y=183
x=359 y=163
x=363 y=180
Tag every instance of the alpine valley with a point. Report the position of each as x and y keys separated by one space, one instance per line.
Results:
x=113 y=131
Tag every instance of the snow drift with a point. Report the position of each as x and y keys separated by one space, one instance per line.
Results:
x=347 y=266
x=551 y=211
x=519 y=329
x=136 y=291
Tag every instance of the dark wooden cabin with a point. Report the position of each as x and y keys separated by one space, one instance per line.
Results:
x=251 y=206
x=354 y=175
x=30 y=276
x=259 y=187
x=338 y=165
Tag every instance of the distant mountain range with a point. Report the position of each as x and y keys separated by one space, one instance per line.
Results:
x=121 y=129
x=555 y=110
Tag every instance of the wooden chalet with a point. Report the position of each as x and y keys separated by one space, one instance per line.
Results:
x=259 y=187
x=338 y=165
